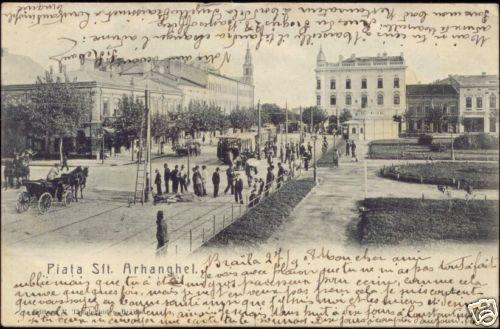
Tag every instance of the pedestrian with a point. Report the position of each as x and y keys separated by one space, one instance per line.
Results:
x=353 y=151
x=306 y=160
x=253 y=196
x=302 y=150
x=309 y=147
x=281 y=174
x=281 y=153
x=216 y=182
x=238 y=189
x=161 y=230
x=65 y=161
x=347 y=147
x=336 y=157
x=174 y=175
x=203 y=139
x=288 y=153
x=324 y=147
x=146 y=189
x=158 y=182
x=204 y=179
x=166 y=177
x=230 y=179
x=182 y=179
x=269 y=179
x=248 y=172
x=197 y=182
x=261 y=187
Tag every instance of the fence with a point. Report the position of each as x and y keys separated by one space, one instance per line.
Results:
x=186 y=241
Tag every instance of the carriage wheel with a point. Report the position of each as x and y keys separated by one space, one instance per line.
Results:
x=67 y=198
x=23 y=202
x=44 y=203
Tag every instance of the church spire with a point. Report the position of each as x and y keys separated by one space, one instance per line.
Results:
x=321 y=57
x=248 y=67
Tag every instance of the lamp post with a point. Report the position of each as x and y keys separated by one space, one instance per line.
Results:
x=300 y=122
x=286 y=123
x=258 y=131
x=314 y=137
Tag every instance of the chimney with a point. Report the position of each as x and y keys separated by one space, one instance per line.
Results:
x=483 y=74
x=385 y=55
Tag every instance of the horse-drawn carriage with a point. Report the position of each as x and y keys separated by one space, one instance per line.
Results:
x=17 y=169
x=43 y=192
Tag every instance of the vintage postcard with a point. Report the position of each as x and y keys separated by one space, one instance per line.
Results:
x=249 y=164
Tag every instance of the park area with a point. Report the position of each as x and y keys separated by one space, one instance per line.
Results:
x=438 y=149
x=409 y=220
x=478 y=175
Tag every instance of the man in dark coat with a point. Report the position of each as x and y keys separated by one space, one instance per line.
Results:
x=166 y=177
x=230 y=179
x=261 y=187
x=269 y=180
x=158 y=182
x=216 y=181
x=281 y=174
x=238 y=189
x=353 y=151
x=175 y=179
x=347 y=148
x=161 y=230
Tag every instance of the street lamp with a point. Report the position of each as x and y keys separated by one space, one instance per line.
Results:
x=314 y=137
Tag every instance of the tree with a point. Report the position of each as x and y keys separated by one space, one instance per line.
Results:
x=436 y=116
x=272 y=113
x=159 y=127
x=319 y=115
x=345 y=116
x=15 y=123
x=128 y=125
x=56 y=109
x=243 y=118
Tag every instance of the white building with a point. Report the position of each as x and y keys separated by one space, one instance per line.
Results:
x=478 y=101
x=200 y=82
x=372 y=89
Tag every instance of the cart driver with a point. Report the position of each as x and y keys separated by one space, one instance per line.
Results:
x=52 y=177
x=53 y=172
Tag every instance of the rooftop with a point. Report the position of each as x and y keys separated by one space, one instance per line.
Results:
x=471 y=80
x=431 y=89
x=363 y=61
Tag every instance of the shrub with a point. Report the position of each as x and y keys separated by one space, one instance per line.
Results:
x=474 y=142
x=425 y=140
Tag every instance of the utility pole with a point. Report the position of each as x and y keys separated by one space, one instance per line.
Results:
x=286 y=122
x=315 y=137
x=259 y=139
x=148 y=136
x=300 y=123
x=312 y=124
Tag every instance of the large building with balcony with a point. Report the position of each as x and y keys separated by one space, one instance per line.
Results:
x=477 y=101
x=372 y=89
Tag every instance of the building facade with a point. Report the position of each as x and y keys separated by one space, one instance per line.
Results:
x=372 y=89
x=431 y=108
x=107 y=89
x=478 y=101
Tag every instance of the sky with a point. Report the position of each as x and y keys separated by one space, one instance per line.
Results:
x=283 y=74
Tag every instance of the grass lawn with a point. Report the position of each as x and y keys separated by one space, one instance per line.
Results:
x=259 y=223
x=481 y=175
x=403 y=220
x=408 y=148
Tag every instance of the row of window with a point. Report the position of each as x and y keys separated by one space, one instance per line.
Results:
x=479 y=102
x=155 y=106
x=364 y=100
x=364 y=83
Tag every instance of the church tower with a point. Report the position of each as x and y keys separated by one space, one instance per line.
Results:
x=320 y=59
x=248 y=67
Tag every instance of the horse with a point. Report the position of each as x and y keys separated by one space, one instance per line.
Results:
x=76 y=179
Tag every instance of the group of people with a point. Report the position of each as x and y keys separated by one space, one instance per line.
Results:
x=350 y=149
x=178 y=179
